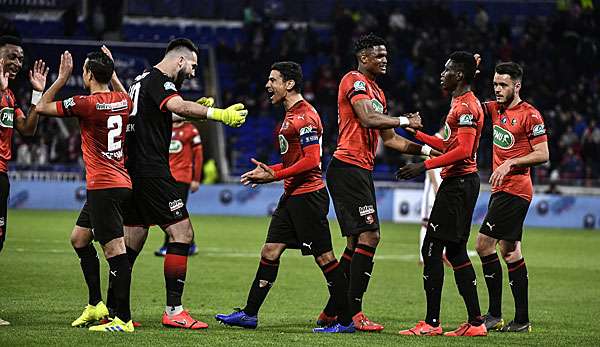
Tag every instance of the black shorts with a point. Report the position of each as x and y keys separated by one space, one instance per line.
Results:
x=300 y=221
x=452 y=211
x=184 y=190
x=353 y=194
x=103 y=213
x=4 y=193
x=155 y=201
x=505 y=216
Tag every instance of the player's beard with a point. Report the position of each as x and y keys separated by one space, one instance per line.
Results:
x=181 y=76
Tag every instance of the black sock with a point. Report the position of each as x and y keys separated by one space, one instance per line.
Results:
x=519 y=282
x=90 y=265
x=433 y=278
x=175 y=268
x=338 y=291
x=263 y=281
x=345 y=269
x=464 y=276
x=166 y=240
x=120 y=272
x=111 y=304
x=361 y=269
x=492 y=272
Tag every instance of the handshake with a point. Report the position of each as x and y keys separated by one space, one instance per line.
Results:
x=233 y=116
x=411 y=122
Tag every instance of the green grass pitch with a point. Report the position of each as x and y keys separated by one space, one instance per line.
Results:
x=42 y=289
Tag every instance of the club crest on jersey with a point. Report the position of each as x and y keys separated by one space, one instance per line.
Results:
x=7 y=115
x=176 y=146
x=503 y=138
x=513 y=122
x=377 y=106
x=360 y=85
x=446 y=132
x=539 y=129
x=283 y=145
x=465 y=119
x=504 y=120
x=170 y=86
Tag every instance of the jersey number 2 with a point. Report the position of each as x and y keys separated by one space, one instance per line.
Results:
x=114 y=125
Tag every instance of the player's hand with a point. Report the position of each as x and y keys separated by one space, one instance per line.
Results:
x=206 y=101
x=106 y=51
x=501 y=171
x=260 y=175
x=477 y=57
x=38 y=75
x=415 y=122
x=233 y=116
x=66 y=66
x=409 y=171
x=3 y=76
x=194 y=185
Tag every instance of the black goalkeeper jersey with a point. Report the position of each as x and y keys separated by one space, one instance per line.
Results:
x=150 y=125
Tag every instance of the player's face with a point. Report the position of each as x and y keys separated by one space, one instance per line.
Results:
x=188 y=68
x=276 y=87
x=87 y=75
x=505 y=88
x=448 y=78
x=13 y=59
x=376 y=60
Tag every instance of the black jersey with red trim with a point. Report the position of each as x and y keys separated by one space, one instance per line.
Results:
x=150 y=125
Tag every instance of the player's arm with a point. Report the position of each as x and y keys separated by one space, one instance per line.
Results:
x=369 y=118
x=537 y=156
x=234 y=115
x=26 y=126
x=114 y=80
x=47 y=106
x=402 y=145
x=197 y=163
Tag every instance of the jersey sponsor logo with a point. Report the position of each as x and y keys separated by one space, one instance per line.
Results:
x=360 y=85
x=170 y=86
x=465 y=119
x=377 y=106
x=283 y=145
x=115 y=106
x=503 y=138
x=175 y=204
x=365 y=210
x=7 y=116
x=69 y=103
x=197 y=140
x=447 y=132
x=175 y=147
x=539 y=129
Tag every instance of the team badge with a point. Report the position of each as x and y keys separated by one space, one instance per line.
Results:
x=538 y=130
x=504 y=120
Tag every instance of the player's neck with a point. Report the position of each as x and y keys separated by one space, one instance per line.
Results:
x=515 y=101
x=365 y=72
x=291 y=99
x=98 y=87
x=460 y=90
x=164 y=67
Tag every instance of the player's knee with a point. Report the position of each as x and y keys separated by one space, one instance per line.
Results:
x=114 y=247
x=485 y=245
x=271 y=251
x=369 y=238
x=80 y=237
x=325 y=258
x=511 y=252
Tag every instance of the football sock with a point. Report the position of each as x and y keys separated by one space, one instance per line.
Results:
x=120 y=272
x=337 y=286
x=518 y=279
x=345 y=269
x=433 y=278
x=492 y=272
x=173 y=310
x=175 y=268
x=110 y=299
x=360 y=274
x=90 y=266
x=263 y=281
x=166 y=240
x=464 y=276
x=132 y=255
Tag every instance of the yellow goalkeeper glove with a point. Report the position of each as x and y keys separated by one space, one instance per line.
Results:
x=206 y=101
x=233 y=116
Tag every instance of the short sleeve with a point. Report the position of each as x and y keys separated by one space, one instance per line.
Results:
x=73 y=107
x=354 y=86
x=161 y=89
x=535 y=129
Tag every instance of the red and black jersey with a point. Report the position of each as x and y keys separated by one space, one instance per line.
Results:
x=9 y=111
x=515 y=131
x=150 y=125
x=185 y=153
x=102 y=119
x=357 y=144
x=300 y=129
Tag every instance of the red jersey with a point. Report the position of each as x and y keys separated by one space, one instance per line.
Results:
x=465 y=112
x=102 y=119
x=357 y=144
x=9 y=109
x=516 y=131
x=301 y=128
x=185 y=153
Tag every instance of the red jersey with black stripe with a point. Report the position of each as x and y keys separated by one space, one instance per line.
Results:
x=515 y=131
x=9 y=111
x=301 y=128
x=185 y=153
x=465 y=114
x=102 y=119
x=150 y=125
x=357 y=144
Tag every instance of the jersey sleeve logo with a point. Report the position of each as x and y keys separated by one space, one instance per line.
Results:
x=175 y=147
x=7 y=115
x=283 y=145
x=503 y=138
x=538 y=130
x=465 y=120
x=308 y=136
x=377 y=106
x=68 y=103
x=170 y=86
x=196 y=140
x=360 y=85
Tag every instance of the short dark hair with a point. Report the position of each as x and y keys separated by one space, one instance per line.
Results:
x=467 y=64
x=182 y=42
x=290 y=70
x=368 y=41
x=100 y=65
x=514 y=70
x=10 y=40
